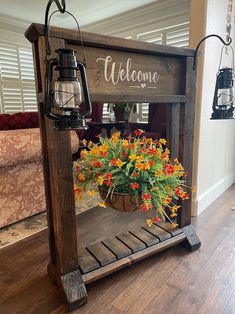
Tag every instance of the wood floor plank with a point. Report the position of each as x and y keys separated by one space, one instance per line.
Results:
x=86 y=261
x=132 y=242
x=117 y=247
x=101 y=253
x=148 y=238
x=158 y=232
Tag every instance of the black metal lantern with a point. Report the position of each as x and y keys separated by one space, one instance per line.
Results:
x=66 y=93
x=223 y=96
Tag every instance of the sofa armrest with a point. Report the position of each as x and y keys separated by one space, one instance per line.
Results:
x=24 y=145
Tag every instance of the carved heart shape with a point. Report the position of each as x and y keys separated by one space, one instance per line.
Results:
x=143 y=85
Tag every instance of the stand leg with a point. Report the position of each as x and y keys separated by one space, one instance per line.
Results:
x=74 y=289
x=192 y=243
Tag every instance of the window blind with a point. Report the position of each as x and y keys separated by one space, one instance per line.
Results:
x=17 y=83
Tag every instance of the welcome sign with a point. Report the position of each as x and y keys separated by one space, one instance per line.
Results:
x=125 y=76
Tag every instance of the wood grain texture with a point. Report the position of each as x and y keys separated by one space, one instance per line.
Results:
x=86 y=261
x=90 y=39
x=74 y=289
x=132 y=242
x=168 y=227
x=188 y=109
x=145 y=236
x=101 y=253
x=117 y=247
x=177 y=281
x=192 y=241
x=161 y=234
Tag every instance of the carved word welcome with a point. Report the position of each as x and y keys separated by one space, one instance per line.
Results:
x=115 y=73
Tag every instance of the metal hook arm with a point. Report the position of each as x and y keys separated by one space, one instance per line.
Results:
x=61 y=7
x=203 y=39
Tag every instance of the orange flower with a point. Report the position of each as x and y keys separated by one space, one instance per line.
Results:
x=146 y=166
x=78 y=193
x=115 y=136
x=125 y=143
x=119 y=163
x=149 y=222
x=156 y=219
x=173 y=225
x=81 y=177
x=102 y=204
x=94 y=150
x=83 y=153
x=158 y=173
x=96 y=164
x=138 y=166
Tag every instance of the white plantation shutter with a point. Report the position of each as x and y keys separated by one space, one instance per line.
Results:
x=17 y=86
x=178 y=36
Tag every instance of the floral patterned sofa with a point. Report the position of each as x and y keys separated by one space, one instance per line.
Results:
x=21 y=173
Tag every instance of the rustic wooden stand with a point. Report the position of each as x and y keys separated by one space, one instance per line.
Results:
x=101 y=241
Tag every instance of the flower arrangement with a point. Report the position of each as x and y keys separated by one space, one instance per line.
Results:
x=138 y=166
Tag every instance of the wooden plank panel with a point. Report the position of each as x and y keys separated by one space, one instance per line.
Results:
x=119 y=264
x=168 y=227
x=117 y=247
x=148 y=238
x=158 y=232
x=184 y=217
x=132 y=242
x=101 y=253
x=86 y=261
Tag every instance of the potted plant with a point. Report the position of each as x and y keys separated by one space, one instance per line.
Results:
x=121 y=110
x=132 y=173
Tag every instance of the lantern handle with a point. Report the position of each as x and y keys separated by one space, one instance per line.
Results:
x=221 y=57
x=81 y=67
x=61 y=7
x=202 y=40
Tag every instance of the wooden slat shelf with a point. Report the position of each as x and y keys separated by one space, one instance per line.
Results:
x=115 y=245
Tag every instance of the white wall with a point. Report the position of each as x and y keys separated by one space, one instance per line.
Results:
x=216 y=150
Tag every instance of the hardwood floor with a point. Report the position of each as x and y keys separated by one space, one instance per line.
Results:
x=173 y=281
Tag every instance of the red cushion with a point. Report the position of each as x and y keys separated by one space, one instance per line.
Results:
x=19 y=120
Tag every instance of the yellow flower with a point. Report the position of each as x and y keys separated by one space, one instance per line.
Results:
x=125 y=143
x=132 y=157
x=83 y=153
x=173 y=215
x=193 y=189
x=162 y=141
x=174 y=208
x=149 y=222
x=119 y=163
x=91 y=192
x=102 y=204
x=176 y=161
x=84 y=142
x=173 y=225
x=115 y=137
x=100 y=180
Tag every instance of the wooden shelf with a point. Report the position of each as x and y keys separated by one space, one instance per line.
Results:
x=111 y=240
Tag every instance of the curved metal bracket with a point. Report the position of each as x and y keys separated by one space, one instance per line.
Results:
x=201 y=41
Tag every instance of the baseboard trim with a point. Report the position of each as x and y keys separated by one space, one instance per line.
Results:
x=203 y=201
